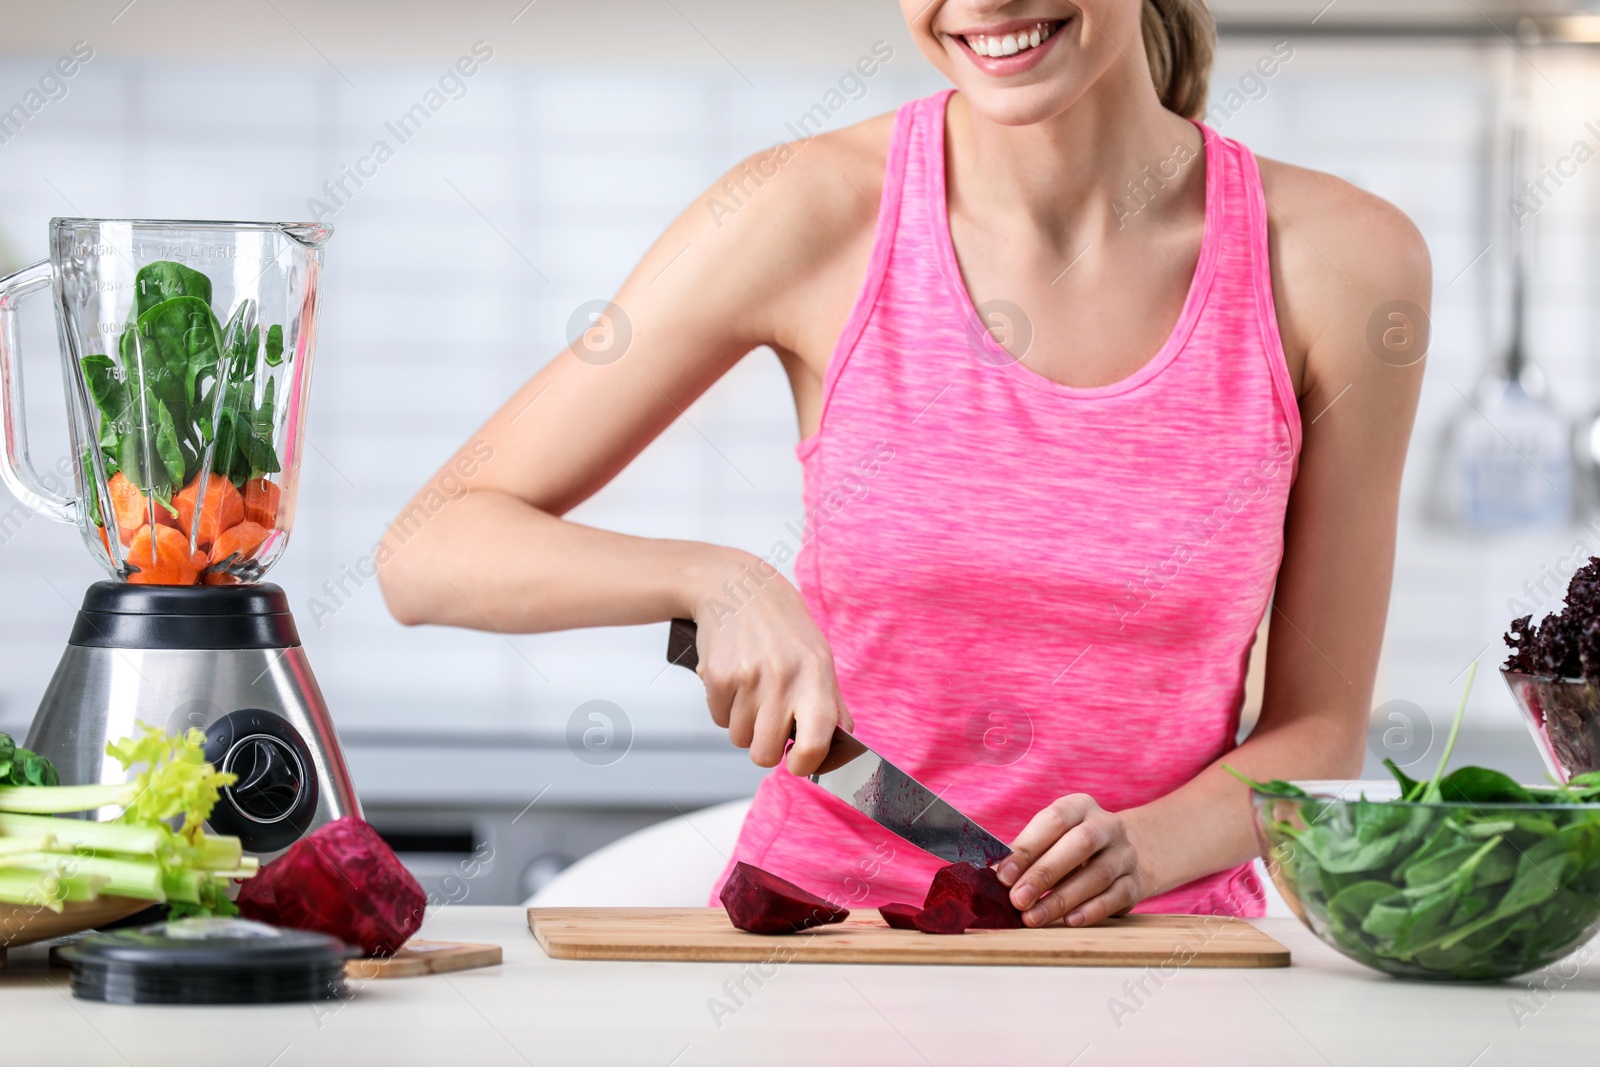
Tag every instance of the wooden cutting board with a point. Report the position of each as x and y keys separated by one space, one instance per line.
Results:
x=704 y=934
x=23 y=924
x=424 y=957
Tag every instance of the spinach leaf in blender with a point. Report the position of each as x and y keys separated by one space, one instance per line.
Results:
x=163 y=280
x=274 y=346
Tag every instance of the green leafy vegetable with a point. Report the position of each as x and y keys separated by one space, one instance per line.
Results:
x=1277 y=786
x=1482 y=786
x=164 y=280
x=1408 y=784
x=19 y=766
x=274 y=346
x=183 y=393
x=48 y=861
x=1432 y=791
x=1469 y=875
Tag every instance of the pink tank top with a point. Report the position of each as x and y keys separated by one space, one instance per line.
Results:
x=1032 y=589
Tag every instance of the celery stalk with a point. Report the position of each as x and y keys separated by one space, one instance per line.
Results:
x=124 y=878
x=249 y=867
x=60 y=888
x=23 y=887
x=47 y=889
x=80 y=887
x=185 y=885
x=81 y=833
x=144 y=852
x=55 y=799
x=28 y=843
x=219 y=853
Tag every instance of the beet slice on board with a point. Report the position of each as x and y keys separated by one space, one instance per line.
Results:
x=763 y=903
x=950 y=916
x=900 y=916
x=341 y=880
x=980 y=890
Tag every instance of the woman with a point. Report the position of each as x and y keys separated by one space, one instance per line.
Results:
x=1040 y=536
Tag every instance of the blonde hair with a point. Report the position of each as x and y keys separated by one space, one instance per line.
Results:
x=1179 y=39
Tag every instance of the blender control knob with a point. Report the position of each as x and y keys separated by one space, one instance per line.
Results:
x=271 y=777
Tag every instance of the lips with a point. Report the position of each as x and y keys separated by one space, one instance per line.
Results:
x=1009 y=48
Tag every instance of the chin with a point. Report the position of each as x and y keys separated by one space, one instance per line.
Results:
x=1021 y=106
x=1024 y=68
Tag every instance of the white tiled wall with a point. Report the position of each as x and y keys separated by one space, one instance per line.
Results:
x=454 y=270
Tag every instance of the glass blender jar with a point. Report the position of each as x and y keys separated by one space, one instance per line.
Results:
x=186 y=354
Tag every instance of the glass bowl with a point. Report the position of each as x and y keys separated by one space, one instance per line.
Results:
x=1443 y=891
x=1563 y=714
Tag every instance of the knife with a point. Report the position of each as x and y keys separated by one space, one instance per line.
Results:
x=877 y=788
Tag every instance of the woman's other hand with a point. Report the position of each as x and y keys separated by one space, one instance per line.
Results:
x=1077 y=861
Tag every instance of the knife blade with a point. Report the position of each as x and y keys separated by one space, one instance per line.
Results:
x=878 y=789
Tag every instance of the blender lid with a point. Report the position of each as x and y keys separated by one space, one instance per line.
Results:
x=208 y=961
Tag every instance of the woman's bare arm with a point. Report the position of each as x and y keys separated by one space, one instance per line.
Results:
x=497 y=553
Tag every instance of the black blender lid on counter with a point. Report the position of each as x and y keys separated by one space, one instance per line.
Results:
x=208 y=961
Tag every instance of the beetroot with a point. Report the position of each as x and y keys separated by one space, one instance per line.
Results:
x=980 y=890
x=341 y=880
x=963 y=897
x=900 y=916
x=763 y=903
x=950 y=916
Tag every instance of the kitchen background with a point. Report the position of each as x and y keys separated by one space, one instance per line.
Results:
x=517 y=195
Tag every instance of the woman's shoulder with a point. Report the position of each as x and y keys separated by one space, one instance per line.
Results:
x=825 y=179
x=795 y=223
x=1339 y=254
x=1344 y=215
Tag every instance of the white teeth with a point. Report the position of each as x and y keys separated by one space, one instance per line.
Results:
x=1011 y=43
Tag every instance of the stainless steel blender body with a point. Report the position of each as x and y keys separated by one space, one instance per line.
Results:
x=138 y=654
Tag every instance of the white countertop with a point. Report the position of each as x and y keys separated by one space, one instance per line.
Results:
x=533 y=1010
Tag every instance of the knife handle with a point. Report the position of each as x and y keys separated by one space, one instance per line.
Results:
x=681 y=644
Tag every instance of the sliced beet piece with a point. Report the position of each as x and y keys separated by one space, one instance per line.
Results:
x=763 y=903
x=980 y=890
x=340 y=880
x=949 y=916
x=900 y=916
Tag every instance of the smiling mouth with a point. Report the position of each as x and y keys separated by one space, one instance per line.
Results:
x=1009 y=44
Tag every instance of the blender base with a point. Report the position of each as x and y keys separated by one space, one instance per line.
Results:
x=259 y=705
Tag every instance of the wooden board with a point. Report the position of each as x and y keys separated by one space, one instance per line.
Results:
x=704 y=934
x=23 y=924
x=425 y=957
